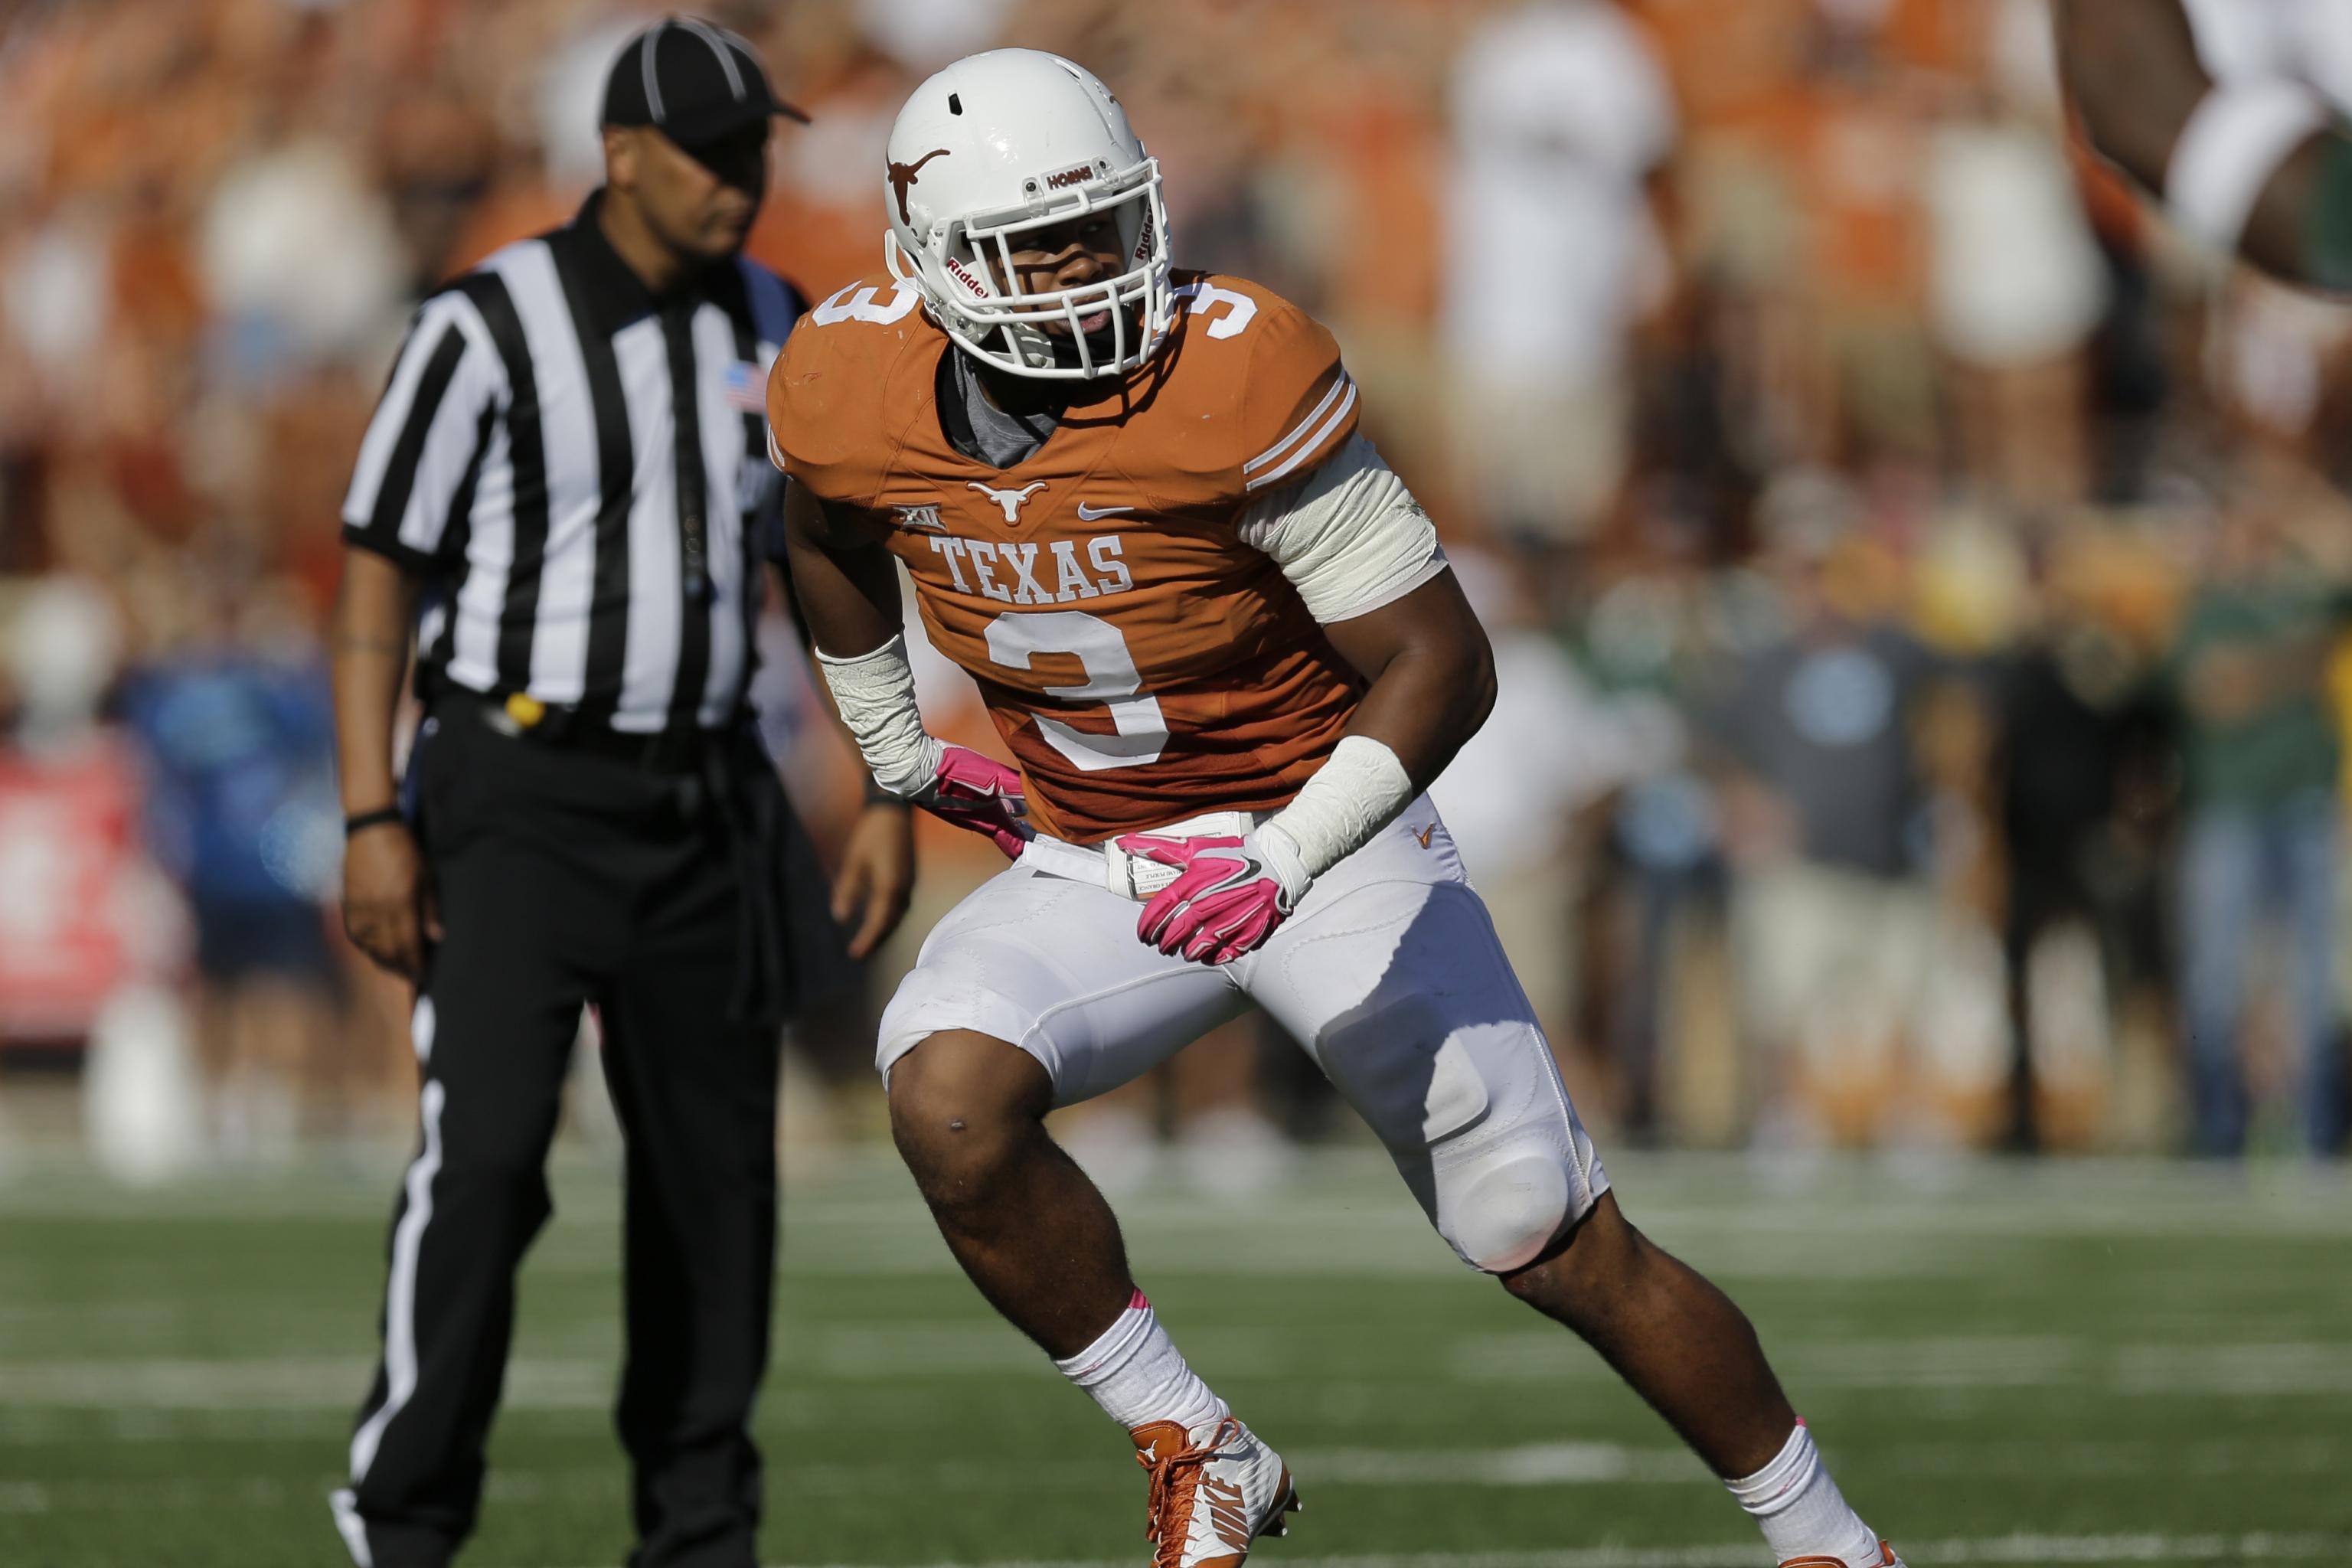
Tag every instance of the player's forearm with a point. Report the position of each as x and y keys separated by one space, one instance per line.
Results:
x=1428 y=672
x=1430 y=679
x=2252 y=165
x=367 y=650
x=1426 y=704
x=2132 y=69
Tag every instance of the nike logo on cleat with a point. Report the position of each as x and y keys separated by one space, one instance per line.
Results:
x=1092 y=513
x=1228 y=1513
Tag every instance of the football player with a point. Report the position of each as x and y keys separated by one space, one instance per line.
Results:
x=2258 y=163
x=1221 y=638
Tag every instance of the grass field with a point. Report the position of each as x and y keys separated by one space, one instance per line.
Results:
x=2007 y=1366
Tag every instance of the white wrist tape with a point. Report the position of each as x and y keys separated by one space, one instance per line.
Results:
x=875 y=694
x=1359 y=791
x=2233 y=144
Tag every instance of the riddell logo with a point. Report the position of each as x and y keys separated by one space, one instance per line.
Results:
x=1068 y=177
x=957 y=270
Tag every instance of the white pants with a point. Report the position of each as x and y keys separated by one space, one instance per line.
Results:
x=1389 y=972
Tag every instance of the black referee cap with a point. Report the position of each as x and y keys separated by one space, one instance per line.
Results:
x=696 y=81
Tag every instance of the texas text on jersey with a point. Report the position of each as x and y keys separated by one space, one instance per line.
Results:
x=1142 y=661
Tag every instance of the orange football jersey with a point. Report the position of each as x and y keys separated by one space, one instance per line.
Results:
x=1143 y=663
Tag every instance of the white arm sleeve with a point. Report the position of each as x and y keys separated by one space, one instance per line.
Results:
x=1349 y=536
x=875 y=694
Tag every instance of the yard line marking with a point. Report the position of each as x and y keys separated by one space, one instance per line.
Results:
x=824 y=1359
x=279 y=1383
x=1971 y=1364
x=920 y=1350
x=1685 y=1194
x=2002 y=1549
x=1584 y=1464
x=1531 y=1465
x=2234 y=1369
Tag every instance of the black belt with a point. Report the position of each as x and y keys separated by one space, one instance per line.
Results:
x=680 y=751
x=720 y=762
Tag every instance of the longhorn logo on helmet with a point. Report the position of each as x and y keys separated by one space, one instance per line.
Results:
x=903 y=176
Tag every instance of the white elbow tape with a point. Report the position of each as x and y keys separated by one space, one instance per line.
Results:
x=876 y=695
x=1357 y=793
x=2233 y=144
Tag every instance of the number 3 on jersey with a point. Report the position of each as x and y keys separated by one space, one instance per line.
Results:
x=853 y=303
x=1112 y=680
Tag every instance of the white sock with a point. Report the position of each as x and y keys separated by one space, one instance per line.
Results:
x=1137 y=1376
x=1801 y=1509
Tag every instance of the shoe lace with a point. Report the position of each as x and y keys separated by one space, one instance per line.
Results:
x=1175 y=1477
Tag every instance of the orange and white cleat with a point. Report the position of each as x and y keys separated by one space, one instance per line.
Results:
x=1886 y=1559
x=1212 y=1493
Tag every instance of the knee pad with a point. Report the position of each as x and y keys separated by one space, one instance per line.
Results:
x=1500 y=1207
x=1477 y=1119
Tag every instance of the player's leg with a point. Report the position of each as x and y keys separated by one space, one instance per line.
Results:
x=1034 y=1234
x=1687 y=1350
x=1035 y=992
x=1392 y=975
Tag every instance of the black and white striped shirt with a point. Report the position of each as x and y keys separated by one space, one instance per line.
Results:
x=594 y=534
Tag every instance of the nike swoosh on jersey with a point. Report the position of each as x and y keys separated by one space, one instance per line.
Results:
x=1090 y=513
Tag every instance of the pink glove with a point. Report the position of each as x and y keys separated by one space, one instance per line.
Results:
x=976 y=793
x=1229 y=897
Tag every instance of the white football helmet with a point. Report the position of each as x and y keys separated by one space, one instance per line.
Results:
x=993 y=148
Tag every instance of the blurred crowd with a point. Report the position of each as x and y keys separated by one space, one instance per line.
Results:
x=1916 y=577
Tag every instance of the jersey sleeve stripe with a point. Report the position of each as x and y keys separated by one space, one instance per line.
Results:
x=1344 y=384
x=1316 y=443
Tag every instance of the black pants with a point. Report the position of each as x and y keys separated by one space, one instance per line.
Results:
x=566 y=879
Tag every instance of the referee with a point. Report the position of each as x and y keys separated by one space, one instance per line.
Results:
x=569 y=474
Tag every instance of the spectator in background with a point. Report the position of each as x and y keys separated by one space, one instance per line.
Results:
x=1560 y=115
x=77 y=929
x=1834 y=926
x=237 y=736
x=2018 y=290
x=300 y=260
x=2246 y=674
x=2079 y=744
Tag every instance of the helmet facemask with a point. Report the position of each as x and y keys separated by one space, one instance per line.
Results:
x=965 y=270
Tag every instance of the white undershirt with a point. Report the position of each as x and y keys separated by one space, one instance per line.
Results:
x=1349 y=536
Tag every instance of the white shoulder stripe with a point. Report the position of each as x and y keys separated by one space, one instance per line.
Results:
x=1314 y=443
x=1345 y=383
